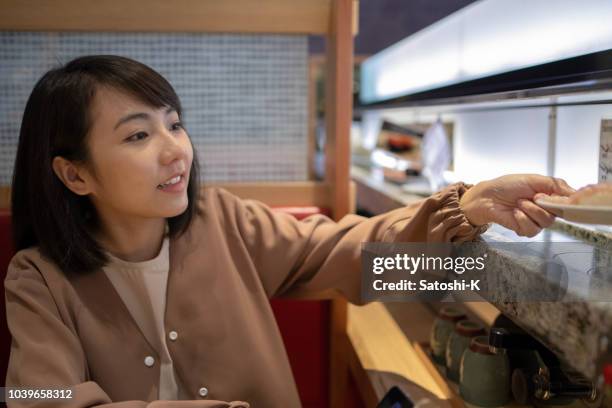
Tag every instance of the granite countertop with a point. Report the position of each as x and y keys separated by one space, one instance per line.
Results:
x=571 y=314
x=577 y=325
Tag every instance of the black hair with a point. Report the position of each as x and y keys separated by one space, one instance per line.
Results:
x=56 y=122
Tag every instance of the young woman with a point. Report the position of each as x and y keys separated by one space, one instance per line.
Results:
x=132 y=285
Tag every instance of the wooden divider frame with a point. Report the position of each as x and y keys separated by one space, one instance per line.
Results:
x=334 y=19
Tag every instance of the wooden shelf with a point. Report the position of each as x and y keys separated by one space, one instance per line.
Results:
x=387 y=357
x=244 y=16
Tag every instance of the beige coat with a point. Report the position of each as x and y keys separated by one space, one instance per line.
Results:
x=74 y=331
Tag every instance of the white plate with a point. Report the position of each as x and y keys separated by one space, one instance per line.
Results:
x=587 y=214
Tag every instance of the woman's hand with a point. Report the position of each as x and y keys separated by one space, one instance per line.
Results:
x=508 y=201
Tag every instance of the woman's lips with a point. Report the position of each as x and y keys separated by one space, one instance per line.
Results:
x=174 y=188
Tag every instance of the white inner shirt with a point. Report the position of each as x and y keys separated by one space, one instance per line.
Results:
x=142 y=288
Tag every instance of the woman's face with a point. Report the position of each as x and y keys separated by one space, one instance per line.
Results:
x=141 y=157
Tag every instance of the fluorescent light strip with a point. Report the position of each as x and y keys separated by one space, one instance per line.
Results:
x=487 y=38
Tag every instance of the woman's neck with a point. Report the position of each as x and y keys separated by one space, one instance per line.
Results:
x=134 y=240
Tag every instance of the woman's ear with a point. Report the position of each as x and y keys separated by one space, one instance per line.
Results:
x=72 y=176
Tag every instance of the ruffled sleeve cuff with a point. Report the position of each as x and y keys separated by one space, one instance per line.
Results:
x=438 y=218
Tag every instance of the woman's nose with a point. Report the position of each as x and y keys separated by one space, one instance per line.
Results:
x=171 y=149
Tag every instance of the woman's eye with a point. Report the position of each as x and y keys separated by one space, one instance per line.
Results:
x=176 y=126
x=137 y=136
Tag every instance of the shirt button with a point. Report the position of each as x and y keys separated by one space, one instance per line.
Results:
x=149 y=361
x=203 y=391
x=173 y=335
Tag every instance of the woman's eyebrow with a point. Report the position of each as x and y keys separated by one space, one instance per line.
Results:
x=132 y=116
x=139 y=115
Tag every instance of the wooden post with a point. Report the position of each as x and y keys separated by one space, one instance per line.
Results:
x=338 y=119
x=339 y=103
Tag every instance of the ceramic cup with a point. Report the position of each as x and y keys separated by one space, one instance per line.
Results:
x=484 y=377
x=458 y=342
x=442 y=328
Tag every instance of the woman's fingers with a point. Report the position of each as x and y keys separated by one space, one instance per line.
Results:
x=549 y=185
x=526 y=227
x=541 y=196
x=557 y=199
x=540 y=216
x=562 y=188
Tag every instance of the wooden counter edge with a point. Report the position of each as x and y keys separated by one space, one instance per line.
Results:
x=379 y=344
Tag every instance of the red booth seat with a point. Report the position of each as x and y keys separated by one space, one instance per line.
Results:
x=306 y=328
